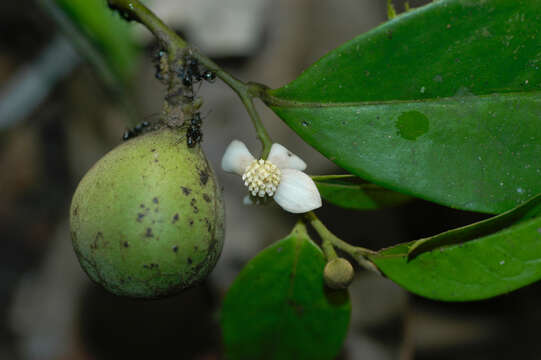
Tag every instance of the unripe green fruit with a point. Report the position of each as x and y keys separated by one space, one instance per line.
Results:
x=338 y=273
x=147 y=220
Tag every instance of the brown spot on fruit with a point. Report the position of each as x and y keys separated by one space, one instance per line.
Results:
x=175 y=248
x=97 y=239
x=186 y=190
x=126 y=244
x=149 y=233
x=155 y=200
x=140 y=217
x=203 y=177
x=194 y=207
x=175 y=218
x=206 y=197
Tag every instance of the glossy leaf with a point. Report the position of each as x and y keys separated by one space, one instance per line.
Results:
x=351 y=193
x=442 y=103
x=279 y=308
x=478 y=261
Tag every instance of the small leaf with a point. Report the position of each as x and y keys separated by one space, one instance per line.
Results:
x=442 y=103
x=350 y=192
x=478 y=261
x=279 y=308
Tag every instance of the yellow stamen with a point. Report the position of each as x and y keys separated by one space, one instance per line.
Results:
x=262 y=178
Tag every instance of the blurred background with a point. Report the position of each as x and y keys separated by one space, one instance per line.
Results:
x=73 y=77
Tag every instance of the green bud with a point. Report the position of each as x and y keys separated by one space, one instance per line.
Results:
x=338 y=273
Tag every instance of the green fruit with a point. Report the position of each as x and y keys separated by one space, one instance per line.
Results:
x=147 y=220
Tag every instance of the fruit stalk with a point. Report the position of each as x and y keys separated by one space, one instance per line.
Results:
x=360 y=254
x=175 y=45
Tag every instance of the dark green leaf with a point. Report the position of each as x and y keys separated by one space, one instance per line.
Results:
x=279 y=308
x=351 y=193
x=443 y=103
x=475 y=262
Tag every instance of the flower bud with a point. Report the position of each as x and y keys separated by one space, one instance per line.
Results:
x=338 y=273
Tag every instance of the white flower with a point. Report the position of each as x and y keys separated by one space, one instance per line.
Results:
x=280 y=176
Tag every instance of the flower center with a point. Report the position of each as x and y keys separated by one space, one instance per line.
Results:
x=262 y=177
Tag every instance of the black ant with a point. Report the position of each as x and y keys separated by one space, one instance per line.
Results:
x=157 y=60
x=187 y=71
x=137 y=130
x=191 y=72
x=209 y=76
x=193 y=133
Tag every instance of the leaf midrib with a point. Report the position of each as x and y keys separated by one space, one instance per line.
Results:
x=277 y=334
x=274 y=101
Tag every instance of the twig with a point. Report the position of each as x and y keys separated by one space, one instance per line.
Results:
x=175 y=45
x=360 y=254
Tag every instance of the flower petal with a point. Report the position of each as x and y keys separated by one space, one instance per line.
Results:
x=285 y=159
x=236 y=158
x=297 y=192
